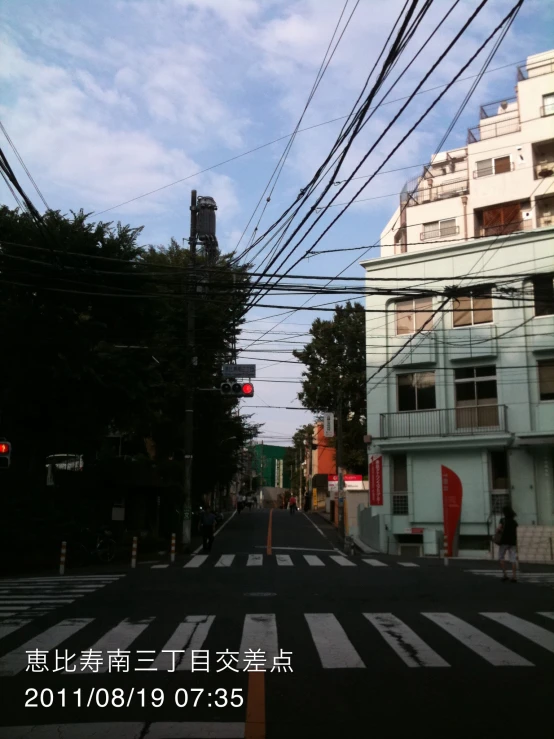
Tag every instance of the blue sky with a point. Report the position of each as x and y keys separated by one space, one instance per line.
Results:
x=109 y=100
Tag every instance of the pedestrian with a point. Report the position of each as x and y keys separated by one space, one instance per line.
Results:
x=240 y=503
x=208 y=525
x=292 y=504
x=507 y=541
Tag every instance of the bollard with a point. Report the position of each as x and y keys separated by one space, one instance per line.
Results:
x=173 y=537
x=62 y=558
x=134 y=552
x=445 y=551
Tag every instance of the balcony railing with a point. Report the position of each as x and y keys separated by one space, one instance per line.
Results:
x=439 y=233
x=442 y=191
x=492 y=130
x=491 y=109
x=535 y=70
x=506 y=228
x=467 y=420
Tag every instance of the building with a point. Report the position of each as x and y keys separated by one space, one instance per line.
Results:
x=474 y=390
x=269 y=467
x=320 y=456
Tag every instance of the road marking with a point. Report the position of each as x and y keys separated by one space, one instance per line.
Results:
x=190 y=634
x=226 y=560
x=120 y=637
x=197 y=560
x=536 y=634
x=313 y=560
x=284 y=560
x=269 y=532
x=333 y=646
x=408 y=564
x=342 y=561
x=374 y=562
x=320 y=531
x=487 y=648
x=255 y=560
x=259 y=632
x=17 y=601
x=8 y=627
x=405 y=642
x=548 y=614
x=300 y=549
x=16 y=660
x=255 y=706
x=131 y=730
x=159 y=567
x=63 y=578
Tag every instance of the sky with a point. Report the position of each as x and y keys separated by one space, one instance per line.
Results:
x=111 y=100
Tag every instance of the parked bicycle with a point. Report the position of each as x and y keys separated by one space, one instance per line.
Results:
x=97 y=545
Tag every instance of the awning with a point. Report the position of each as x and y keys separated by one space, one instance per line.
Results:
x=536 y=440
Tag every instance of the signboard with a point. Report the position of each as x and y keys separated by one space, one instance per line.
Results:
x=416 y=531
x=376 y=481
x=353 y=482
x=328 y=424
x=452 y=507
x=239 y=370
x=333 y=483
x=314 y=498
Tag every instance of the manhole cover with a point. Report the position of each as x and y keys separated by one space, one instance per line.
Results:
x=261 y=595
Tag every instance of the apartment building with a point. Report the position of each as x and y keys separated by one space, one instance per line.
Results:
x=474 y=391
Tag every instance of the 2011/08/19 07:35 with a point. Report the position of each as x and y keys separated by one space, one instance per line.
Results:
x=119 y=698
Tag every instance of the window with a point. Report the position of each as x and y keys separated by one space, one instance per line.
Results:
x=472 y=310
x=399 y=485
x=436 y=229
x=411 y=315
x=543 y=288
x=502 y=219
x=548 y=104
x=500 y=480
x=416 y=391
x=498 y=165
x=476 y=397
x=546 y=379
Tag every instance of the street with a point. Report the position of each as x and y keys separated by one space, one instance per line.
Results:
x=377 y=645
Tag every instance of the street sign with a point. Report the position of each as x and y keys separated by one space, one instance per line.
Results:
x=376 y=481
x=328 y=424
x=333 y=483
x=239 y=370
x=353 y=482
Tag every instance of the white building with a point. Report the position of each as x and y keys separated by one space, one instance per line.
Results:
x=473 y=391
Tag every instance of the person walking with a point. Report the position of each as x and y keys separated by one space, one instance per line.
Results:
x=208 y=521
x=292 y=504
x=507 y=541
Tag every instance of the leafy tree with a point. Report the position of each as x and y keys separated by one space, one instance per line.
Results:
x=335 y=359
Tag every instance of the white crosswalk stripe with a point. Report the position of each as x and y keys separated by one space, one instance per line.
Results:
x=408 y=564
x=491 y=650
x=405 y=642
x=333 y=646
x=327 y=639
x=342 y=561
x=283 y=560
x=197 y=560
x=39 y=595
x=255 y=560
x=374 y=562
x=313 y=560
x=226 y=560
x=547 y=614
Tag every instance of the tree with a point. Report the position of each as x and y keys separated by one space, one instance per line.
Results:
x=335 y=358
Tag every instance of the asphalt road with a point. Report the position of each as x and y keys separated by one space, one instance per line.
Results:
x=377 y=645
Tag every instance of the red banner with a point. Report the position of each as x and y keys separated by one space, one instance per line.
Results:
x=452 y=506
x=376 y=481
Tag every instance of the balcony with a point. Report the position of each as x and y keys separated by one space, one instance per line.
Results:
x=492 y=130
x=463 y=421
x=535 y=70
x=441 y=191
x=506 y=228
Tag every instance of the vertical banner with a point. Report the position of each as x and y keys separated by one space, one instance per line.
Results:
x=452 y=506
x=376 y=481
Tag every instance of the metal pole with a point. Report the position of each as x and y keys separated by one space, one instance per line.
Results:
x=189 y=391
x=340 y=463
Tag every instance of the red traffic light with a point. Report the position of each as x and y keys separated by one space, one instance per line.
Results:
x=248 y=389
x=4 y=447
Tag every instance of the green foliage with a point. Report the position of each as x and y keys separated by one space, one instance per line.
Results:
x=335 y=358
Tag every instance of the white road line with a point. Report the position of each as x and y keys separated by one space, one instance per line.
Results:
x=8 y=627
x=120 y=637
x=536 y=634
x=283 y=560
x=36 y=601
x=299 y=549
x=197 y=560
x=320 y=531
x=64 y=578
x=489 y=649
x=255 y=560
x=217 y=531
x=189 y=635
x=16 y=660
x=374 y=562
x=333 y=646
x=5 y=614
x=128 y=730
x=159 y=567
x=408 y=564
x=547 y=614
x=226 y=560
x=342 y=561
x=313 y=560
x=259 y=632
x=405 y=642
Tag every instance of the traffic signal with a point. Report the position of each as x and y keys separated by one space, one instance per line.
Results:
x=5 y=454
x=234 y=389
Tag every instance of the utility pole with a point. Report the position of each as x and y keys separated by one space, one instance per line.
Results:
x=340 y=463
x=190 y=379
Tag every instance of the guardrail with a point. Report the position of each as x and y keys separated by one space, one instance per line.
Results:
x=470 y=420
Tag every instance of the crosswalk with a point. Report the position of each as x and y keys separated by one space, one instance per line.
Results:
x=233 y=561
x=35 y=596
x=534 y=578
x=327 y=641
